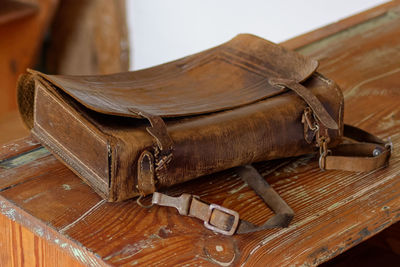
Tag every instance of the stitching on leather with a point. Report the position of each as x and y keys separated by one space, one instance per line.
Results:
x=84 y=124
x=150 y=162
x=160 y=174
x=141 y=162
x=71 y=154
x=72 y=160
x=110 y=165
x=94 y=134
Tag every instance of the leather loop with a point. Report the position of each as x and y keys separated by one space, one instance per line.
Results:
x=162 y=154
x=146 y=175
x=369 y=154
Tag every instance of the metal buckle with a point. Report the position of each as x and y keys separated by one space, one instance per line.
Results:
x=138 y=201
x=309 y=118
x=227 y=211
x=321 y=161
x=323 y=152
x=389 y=144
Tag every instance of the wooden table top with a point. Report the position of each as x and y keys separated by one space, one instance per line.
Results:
x=335 y=210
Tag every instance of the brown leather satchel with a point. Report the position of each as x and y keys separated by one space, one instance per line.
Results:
x=248 y=100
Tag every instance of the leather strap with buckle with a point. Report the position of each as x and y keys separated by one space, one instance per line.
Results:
x=227 y=221
x=215 y=217
x=369 y=153
x=366 y=154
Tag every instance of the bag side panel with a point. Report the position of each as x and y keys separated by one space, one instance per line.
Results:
x=72 y=139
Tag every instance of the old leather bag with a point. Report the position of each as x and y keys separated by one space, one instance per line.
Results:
x=248 y=100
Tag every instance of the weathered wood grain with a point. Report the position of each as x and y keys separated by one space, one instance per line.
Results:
x=339 y=26
x=16 y=216
x=335 y=210
x=17 y=147
x=21 y=247
x=380 y=250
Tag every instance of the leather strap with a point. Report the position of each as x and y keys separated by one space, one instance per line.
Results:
x=318 y=109
x=226 y=221
x=368 y=154
x=283 y=213
x=153 y=165
x=158 y=130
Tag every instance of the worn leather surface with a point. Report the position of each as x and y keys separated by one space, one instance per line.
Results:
x=219 y=112
x=230 y=75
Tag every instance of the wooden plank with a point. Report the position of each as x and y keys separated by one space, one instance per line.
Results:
x=335 y=210
x=21 y=247
x=380 y=250
x=341 y=25
x=17 y=147
x=37 y=228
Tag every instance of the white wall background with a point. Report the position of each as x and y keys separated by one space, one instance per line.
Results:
x=164 y=30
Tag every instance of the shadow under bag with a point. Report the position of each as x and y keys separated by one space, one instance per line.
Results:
x=248 y=100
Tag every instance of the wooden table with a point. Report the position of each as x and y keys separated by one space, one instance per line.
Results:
x=50 y=217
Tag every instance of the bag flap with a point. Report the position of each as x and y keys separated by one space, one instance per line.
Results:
x=230 y=75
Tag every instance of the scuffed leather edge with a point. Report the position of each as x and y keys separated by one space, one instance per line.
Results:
x=340 y=116
x=25 y=98
x=70 y=160
x=62 y=152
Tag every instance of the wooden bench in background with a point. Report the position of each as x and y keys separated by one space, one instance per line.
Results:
x=50 y=217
